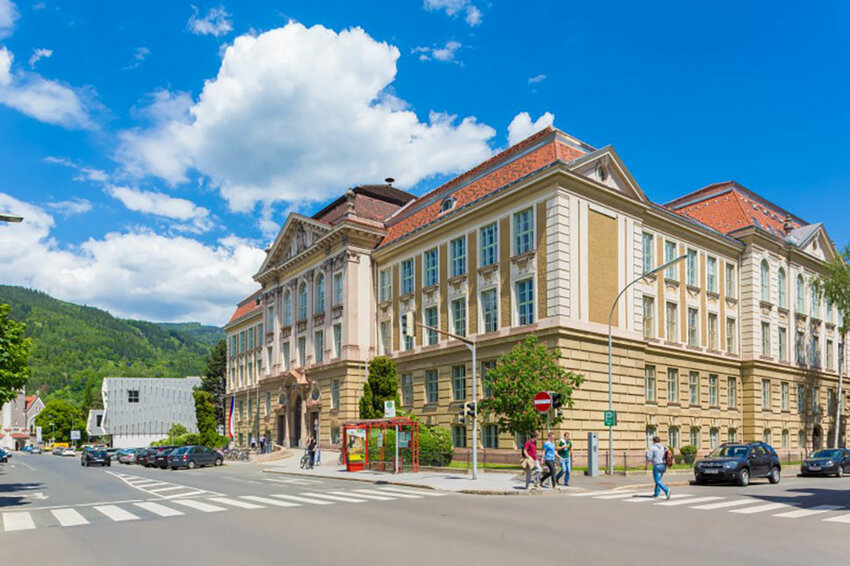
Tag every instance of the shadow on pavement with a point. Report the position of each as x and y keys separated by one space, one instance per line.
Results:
x=7 y=499
x=807 y=497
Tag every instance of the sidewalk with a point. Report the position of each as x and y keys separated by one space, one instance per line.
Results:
x=488 y=483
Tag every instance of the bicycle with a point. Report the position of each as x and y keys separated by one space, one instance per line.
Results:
x=305 y=460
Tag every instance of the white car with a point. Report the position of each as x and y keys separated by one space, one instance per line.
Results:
x=68 y=452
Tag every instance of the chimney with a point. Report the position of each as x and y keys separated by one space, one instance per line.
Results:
x=787 y=225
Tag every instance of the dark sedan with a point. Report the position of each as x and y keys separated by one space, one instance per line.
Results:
x=834 y=462
x=150 y=458
x=95 y=457
x=161 y=459
x=733 y=462
x=194 y=457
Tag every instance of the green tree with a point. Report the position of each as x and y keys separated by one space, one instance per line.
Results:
x=14 y=356
x=64 y=416
x=519 y=375
x=214 y=375
x=205 y=416
x=381 y=386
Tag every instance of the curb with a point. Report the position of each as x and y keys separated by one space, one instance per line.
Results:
x=362 y=480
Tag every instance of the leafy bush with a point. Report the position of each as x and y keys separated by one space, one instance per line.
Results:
x=689 y=453
x=435 y=446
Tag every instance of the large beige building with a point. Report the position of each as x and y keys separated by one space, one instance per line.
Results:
x=729 y=344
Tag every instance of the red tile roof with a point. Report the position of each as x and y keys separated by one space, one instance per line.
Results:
x=728 y=206
x=533 y=153
x=30 y=399
x=246 y=306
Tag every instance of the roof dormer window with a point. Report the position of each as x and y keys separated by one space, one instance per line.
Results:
x=447 y=204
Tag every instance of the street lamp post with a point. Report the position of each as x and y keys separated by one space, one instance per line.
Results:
x=52 y=433
x=611 y=354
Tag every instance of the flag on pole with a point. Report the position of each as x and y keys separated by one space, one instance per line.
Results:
x=230 y=420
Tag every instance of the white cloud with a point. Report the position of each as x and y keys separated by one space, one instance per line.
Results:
x=70 y=207
x=43 y=99
x=521 y=126
x=216 y=22
x=139 y=57
x=472 y=14
x=537 y=79
x=445 y=53
x=193 y=218
x=8 y=16
x=298 y=114
x=137 y=274
x=83 y=173
x=38 y=55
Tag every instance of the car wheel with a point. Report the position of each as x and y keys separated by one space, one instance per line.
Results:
x=218 y=462
x=700 y=481
x=774 y=475
x=83 y=463
x=191 y=465
x=840 y=473
x=173 y=468
x=743 y=478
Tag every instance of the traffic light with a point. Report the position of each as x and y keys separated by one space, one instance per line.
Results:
x=461 y=416
x=470 y=409
x=557 y=400
x=409 y=327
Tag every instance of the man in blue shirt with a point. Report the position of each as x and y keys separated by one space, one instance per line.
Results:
x=655 y=457
x=549 y=455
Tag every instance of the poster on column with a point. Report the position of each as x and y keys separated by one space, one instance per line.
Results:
x=356 y=438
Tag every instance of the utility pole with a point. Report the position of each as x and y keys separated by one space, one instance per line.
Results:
x=840 y=400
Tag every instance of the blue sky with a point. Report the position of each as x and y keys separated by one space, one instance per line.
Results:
x=156 y=147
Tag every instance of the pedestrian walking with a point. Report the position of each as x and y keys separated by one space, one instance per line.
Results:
x=565 y=458
x=659 y=457
x=253 y=441
x=529 y=460
x=262 y=444
x=549 y=456
x=311 y=450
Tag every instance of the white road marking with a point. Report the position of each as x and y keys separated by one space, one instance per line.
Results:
x=619 y=495
x=116 y=513
x=759 y=508
x=677 y=500
x=270 y=501
x=839 y=519
x=425 y=492
x=27 y=466
x=808 y=512
x=385 y=493
x=171 y=488
x=143 y=485
x=199 y=505
x=725 y=504
x=302 y=499
x=17 y=521
x=69 y=517
x=361 y=494
x=335 y=497
x=294 y=481
x=235 y=503
x=158 y=509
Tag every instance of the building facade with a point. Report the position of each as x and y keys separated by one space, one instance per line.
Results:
x=17 y=421
x=728 y=344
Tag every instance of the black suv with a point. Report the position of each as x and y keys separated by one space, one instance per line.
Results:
x=734 y=462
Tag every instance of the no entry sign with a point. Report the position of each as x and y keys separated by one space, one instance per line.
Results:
x=543 y=401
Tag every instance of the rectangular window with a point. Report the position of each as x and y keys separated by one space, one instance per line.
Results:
x=432 y=322
x=673 y=437
x=829 y=356
x=337 y=297
x=693 y=388
x=250 y=339
x=233 y=349
x=801 y=399
x=649 y=375
x=337 y=340
x=765 y=339
x=830 y=401
x=489 y=244
x=815 y=349
x=269 y=357
x=302 y=351
x=132 y=395
x=260 y=334
x=828 y=311
x=242 y=342
x=694 y=436
x=691 y=263
x=732 y=435
x=386 y=285
x=672 y=319
x=730 y=281
x=286 y=355
x=712 y=331
x=459 y=316
x=648 y=256
x=670 y=255
x=319 y=346
x=458 y=247
x=711 y=274
x=407 y=389
x=731 y=333
x=713 y=438
x=406 y=341
x=384 y=329
x=732 y=392
x=486 y=378
x=458 y=383
x=648 y=317
x=523 y=231
x=672 y=385
x=815 y=400
x=489 y=310
x=407 y=277
x=765 y=394
x=459 y=436
x=783 y=388
x=268 y=403
x=782 y=344
x=525 y=301
x=712 y=391
x=490 y=436
x=432 y=268
x=693 y=317
x=801 y=348
x=432 y=386
x=335 y=394
x=270 y=317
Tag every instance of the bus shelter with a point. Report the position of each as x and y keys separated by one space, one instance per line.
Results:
x=384 y=445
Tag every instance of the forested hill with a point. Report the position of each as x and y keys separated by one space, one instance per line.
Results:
x=75 y=347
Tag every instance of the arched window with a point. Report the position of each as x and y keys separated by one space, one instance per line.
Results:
x=287 y=308
x=732 y=435
x=786 y=439
x=302 y=301
x=782 y=285
x=694 y=437
x=801 y=295
x=319 y=294
x=765 y=437
x=447 y=204
x=765 y=280
x=801 y=438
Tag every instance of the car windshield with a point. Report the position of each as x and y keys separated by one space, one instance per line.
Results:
x=825 y=454
x=729 y=451
x=98 y=453
x=180 y=450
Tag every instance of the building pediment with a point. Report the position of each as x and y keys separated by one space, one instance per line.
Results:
x=813 y=240
x=298 y=235
x=605 y=167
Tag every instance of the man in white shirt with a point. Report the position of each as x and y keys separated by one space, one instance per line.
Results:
x=655 y=457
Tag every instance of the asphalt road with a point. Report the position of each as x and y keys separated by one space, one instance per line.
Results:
x=142 y=516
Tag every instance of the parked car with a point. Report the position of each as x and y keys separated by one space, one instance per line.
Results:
x=91 y=457
x=738 y=462
x=161 y=459
x=835 y=462
x=146 y=456
x=113 y=452
x=35 y=450
x=127 y=456
x=57 y=450
x=5 y=455
x=194 y=456
x=69 y=451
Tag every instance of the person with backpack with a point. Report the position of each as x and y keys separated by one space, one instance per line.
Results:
x=565 y=457
x=529 y=460
x=549 y=453
x=660 y=457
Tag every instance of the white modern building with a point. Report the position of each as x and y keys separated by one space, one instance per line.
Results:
x=94 y=424
x=141 y=410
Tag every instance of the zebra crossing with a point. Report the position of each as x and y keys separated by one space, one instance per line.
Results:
x=75 y=516
x=161 y=489
x=741 y=506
